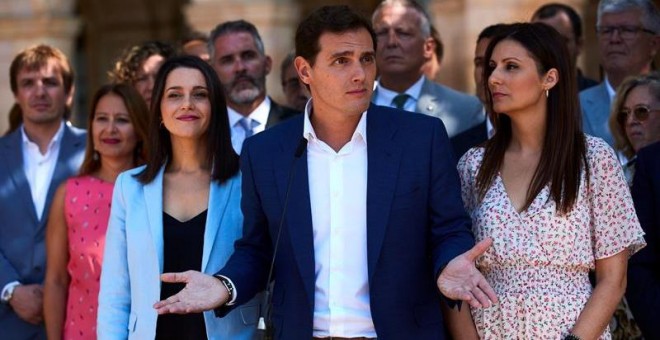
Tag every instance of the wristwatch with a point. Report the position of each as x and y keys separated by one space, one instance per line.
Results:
x=230 y=288
x=8 y=292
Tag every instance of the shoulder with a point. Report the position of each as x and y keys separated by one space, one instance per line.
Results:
x=285 y=129
x=457 y=97
x=593 y=92
x=400 y=119
x=471 y=160
x=128 y=178
x=601 y=158
x=649 y=155
x=597 y=147
x=74 y=132
x=12 y=138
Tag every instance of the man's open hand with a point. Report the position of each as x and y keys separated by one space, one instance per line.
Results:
x=461 y=280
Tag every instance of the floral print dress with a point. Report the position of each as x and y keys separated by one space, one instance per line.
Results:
x=540 y=260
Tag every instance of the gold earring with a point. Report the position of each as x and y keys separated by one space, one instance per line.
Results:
x=547 y=93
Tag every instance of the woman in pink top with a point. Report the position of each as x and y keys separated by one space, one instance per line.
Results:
x=81 y=207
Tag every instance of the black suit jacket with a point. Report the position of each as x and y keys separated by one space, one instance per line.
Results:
x=278 y=113
x=643 y=290
x=468 y=139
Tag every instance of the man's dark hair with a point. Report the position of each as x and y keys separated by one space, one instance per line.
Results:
x=236 y=26
x=550 y=10
x=333 y=19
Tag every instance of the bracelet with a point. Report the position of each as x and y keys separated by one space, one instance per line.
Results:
x=572 y=336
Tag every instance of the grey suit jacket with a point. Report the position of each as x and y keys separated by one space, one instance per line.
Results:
x=596 y=106
x=458 y=111
x=22 y=234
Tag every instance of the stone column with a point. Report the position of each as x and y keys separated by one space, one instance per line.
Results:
x=26 y=23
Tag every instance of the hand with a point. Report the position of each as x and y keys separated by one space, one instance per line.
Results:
x=201 y=293
x=461 y=280
x=27 y=302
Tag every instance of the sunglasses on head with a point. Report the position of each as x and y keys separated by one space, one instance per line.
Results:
x=640 y=113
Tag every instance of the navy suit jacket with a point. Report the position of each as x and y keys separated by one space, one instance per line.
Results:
x=643 y=290
x=415 y=225
x=22 y=233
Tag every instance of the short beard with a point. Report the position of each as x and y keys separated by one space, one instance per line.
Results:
x=244 y=96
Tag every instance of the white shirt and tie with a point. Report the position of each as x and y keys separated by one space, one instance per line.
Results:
x=406 y=100
x=243 y=127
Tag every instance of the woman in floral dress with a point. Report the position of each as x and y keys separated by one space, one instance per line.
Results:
x=553 y=200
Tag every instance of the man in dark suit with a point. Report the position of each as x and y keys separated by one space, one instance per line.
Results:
x=567 y=22
x=643 y=291
x=34 y=159
x=370 y=238
x=405 y=44
x=238 y=57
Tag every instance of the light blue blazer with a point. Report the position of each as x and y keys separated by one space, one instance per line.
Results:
x=596 y=107
x=133 y=259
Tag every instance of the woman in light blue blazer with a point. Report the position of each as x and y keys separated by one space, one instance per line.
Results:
x=178 y=212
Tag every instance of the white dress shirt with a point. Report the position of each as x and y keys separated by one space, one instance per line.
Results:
x=39 y=167
x=338 y=199
x=384 y=97
x=260 y=115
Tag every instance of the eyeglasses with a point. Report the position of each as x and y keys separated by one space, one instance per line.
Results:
x=641 y=113
x=625 y=32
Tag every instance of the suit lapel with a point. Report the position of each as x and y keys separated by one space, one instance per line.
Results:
x=13 y=151
x=298 y=219
x=384 y=157
x=153 y=196
x=218 y=200
x=426 y=103
x=598 y=103
x=274 y=115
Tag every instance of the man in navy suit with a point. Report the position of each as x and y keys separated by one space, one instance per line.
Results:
x=370 y=238
x=643 y=290
x=34 y=160
x=237 y=54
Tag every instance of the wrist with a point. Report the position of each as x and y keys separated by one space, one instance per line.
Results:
x=229 y=286
x=8 y=292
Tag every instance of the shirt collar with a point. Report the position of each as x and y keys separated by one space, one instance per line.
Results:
x=414 y=91
x=310 y=134
x=260 y=114
x=55 y=141
x=610 y=90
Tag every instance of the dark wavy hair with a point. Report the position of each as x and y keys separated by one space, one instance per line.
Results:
x=138 y=114
x=220 y=154
x=563 y=154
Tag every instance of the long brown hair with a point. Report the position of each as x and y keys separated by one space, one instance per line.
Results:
x=137 y=112
x=563 y=154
